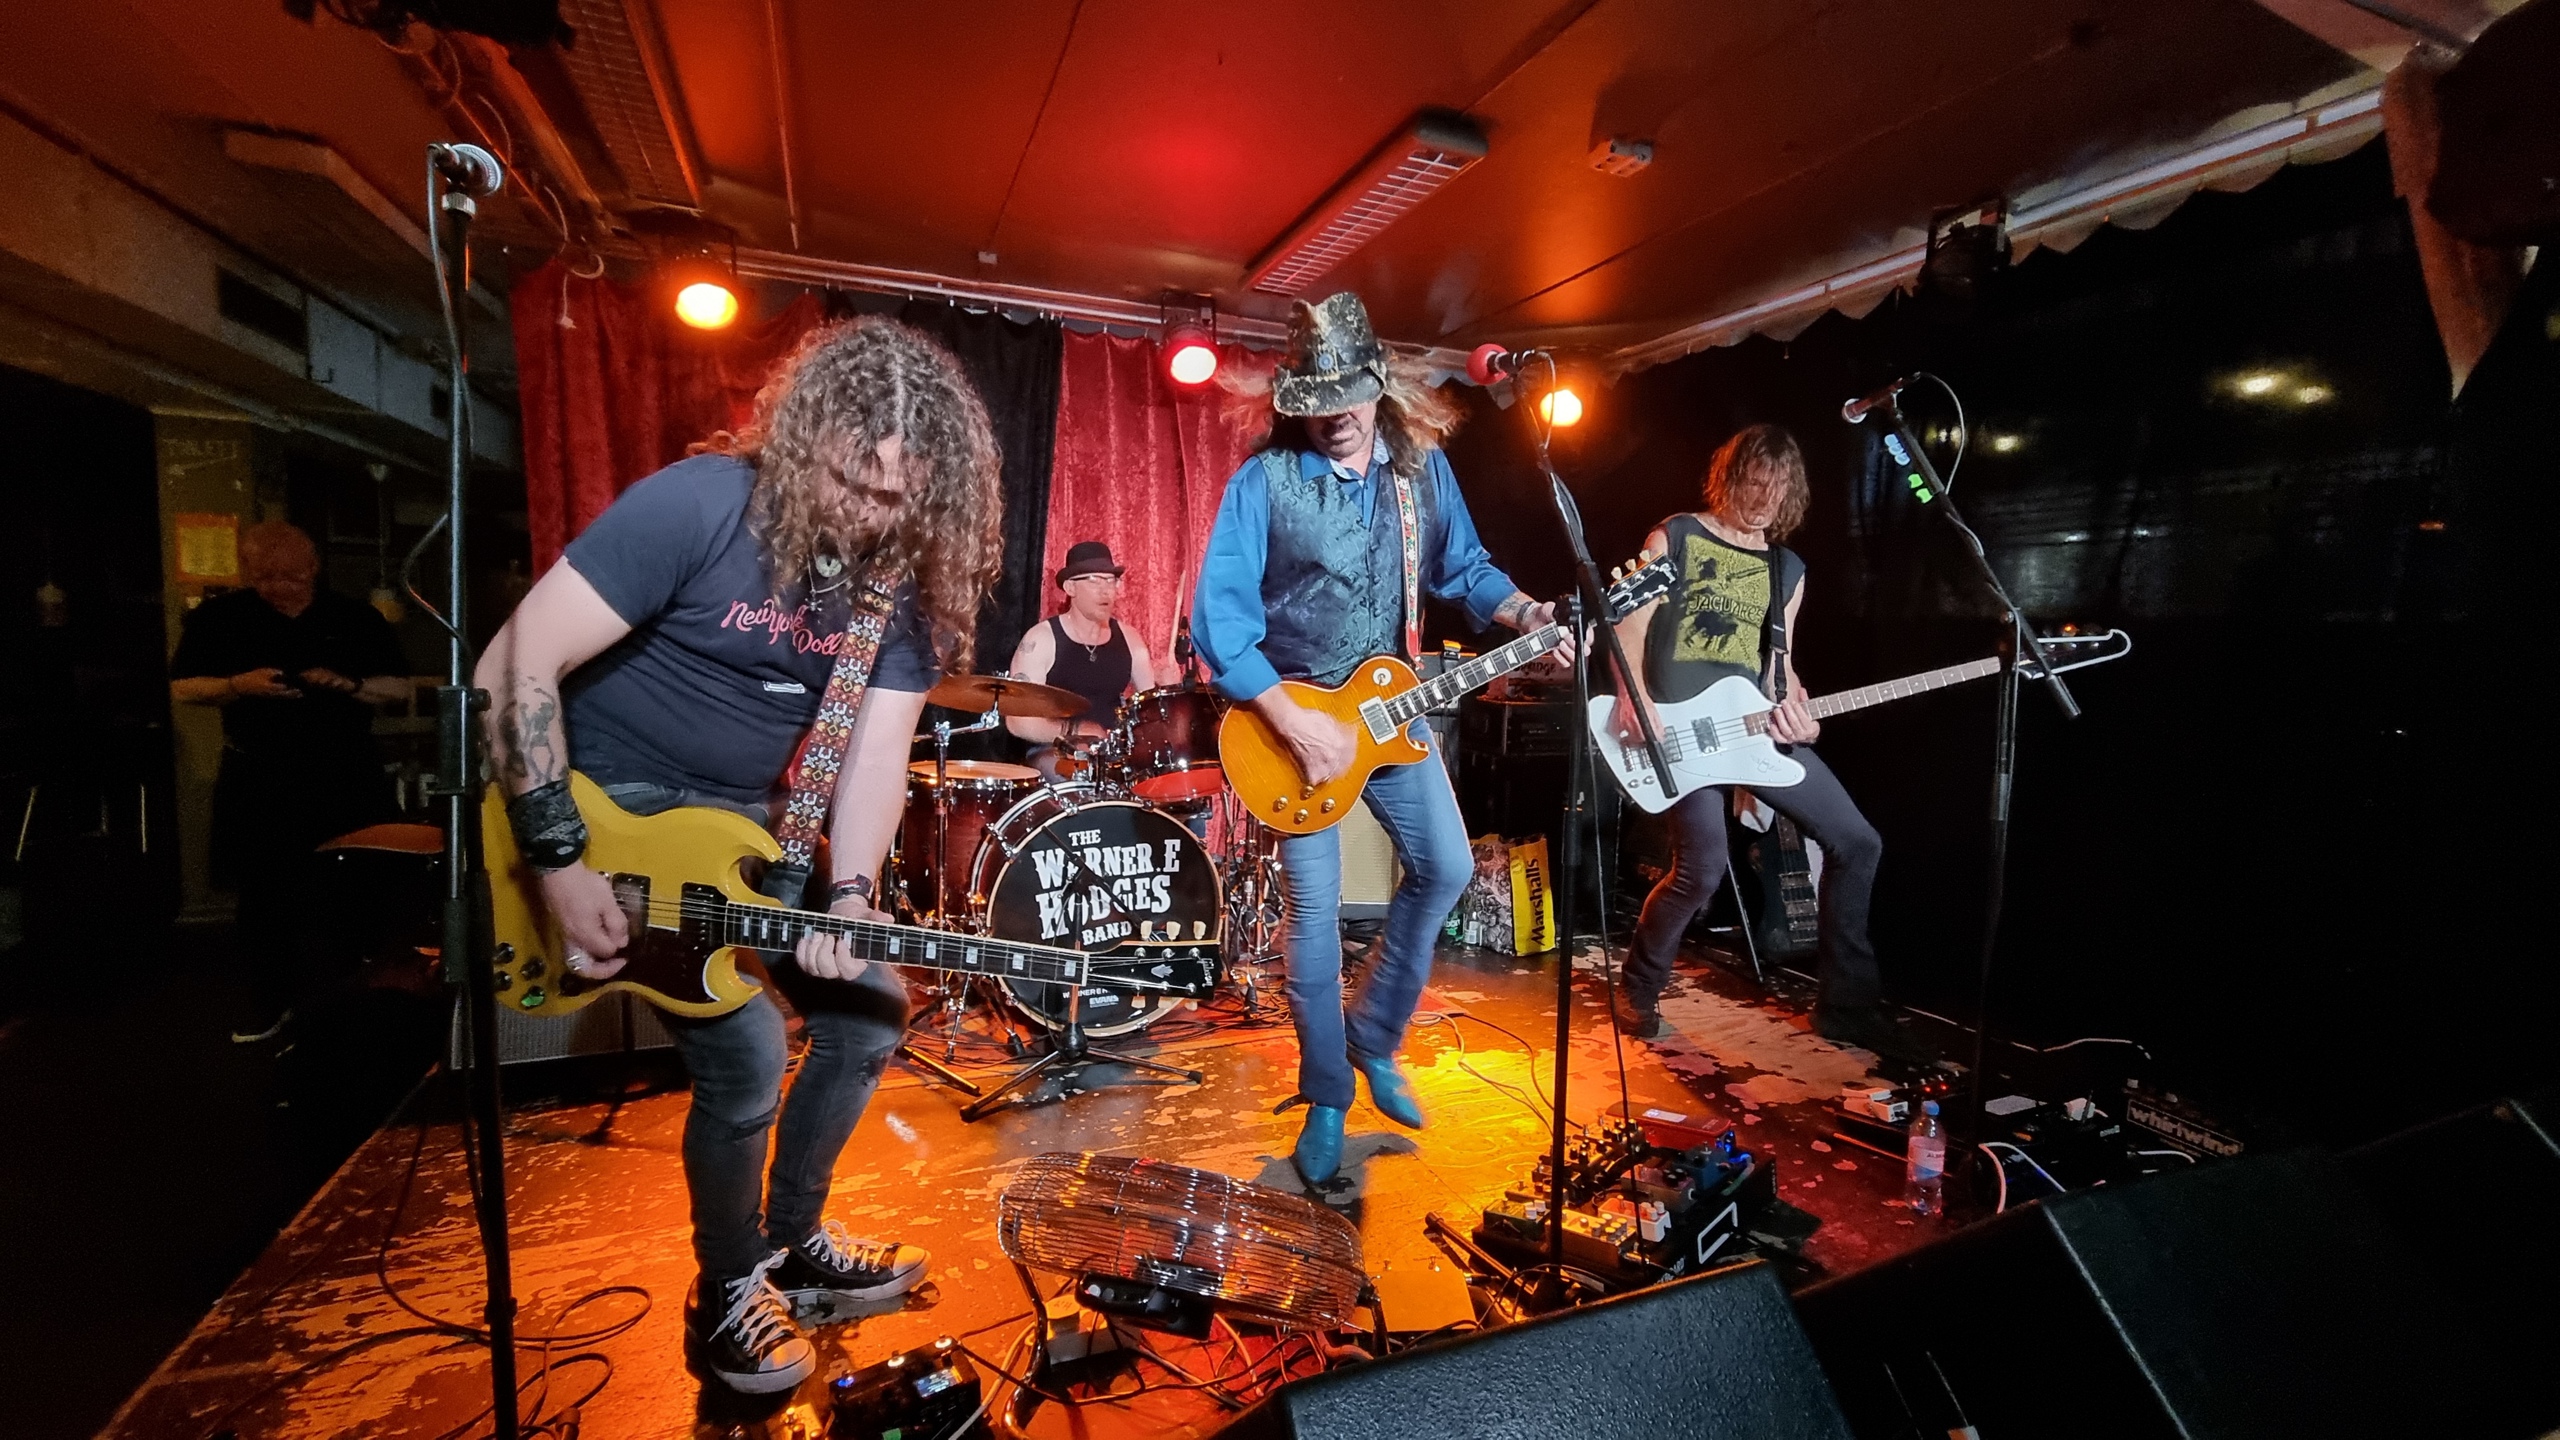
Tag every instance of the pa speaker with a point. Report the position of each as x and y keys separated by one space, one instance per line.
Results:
x=2471 y=1200
x=1715 y=1355
x=2252 y=1297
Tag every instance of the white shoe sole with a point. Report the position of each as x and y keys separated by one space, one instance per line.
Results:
x=826 y=1305
x=758 y=1382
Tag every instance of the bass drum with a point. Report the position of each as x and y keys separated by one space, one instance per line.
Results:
x=1072 y=866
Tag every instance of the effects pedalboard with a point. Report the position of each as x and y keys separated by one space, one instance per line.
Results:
x=925 y=1394
x=1635 y=1211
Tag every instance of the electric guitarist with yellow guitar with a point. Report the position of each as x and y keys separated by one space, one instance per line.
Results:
x=810 y=575
x=1324 y=545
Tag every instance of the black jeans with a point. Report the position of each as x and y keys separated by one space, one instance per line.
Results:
x=1850 y=847
x=737 y=1060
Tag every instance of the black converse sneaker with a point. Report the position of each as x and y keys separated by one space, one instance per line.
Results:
x=752 y=1345
x=830 y=1272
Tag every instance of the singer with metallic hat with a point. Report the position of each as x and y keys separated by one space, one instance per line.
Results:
x=1305 y=577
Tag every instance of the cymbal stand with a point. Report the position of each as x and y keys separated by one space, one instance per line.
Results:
x=941 y=1069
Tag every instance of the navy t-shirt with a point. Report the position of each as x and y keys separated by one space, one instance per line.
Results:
x=725 y=663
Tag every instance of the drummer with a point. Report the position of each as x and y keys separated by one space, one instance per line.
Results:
x=1084 y=650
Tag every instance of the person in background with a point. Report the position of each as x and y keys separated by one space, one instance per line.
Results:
x=1083 y=649
x=298 y=672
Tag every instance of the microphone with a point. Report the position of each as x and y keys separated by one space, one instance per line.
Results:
x=468 y=168
x=1490 y=360
x=1855 y=412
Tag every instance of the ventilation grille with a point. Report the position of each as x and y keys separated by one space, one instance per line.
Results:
x=612 y=74
x=1399 y=175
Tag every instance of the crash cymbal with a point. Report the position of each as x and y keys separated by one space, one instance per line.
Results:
x=1008 y=696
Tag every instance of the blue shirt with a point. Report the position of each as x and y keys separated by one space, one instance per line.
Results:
x=1227 y=619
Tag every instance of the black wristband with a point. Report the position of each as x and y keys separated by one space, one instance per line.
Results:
x=550 y=833
x=857 y=888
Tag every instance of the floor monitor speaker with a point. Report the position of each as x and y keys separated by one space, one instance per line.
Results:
x=1716 y=1355
x=2254 y=1297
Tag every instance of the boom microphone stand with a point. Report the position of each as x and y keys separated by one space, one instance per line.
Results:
x=456 y=176
x=1590 y=600
x=2019 y=648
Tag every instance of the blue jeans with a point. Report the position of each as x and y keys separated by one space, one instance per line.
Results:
x=740 y=1215
x=1420 y=813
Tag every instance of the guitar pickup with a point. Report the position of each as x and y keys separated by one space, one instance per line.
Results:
x=1704 y=729
x=1373 y=713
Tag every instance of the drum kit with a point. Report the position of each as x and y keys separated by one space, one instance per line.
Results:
x=1139 y=828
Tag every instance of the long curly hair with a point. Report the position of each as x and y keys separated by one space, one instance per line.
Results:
x=847 y=387
x=1762 y=455
x=1414 y=416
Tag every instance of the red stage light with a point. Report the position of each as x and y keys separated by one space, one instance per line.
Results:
x=1190 y=354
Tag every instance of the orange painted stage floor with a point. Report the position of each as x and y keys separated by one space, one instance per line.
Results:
x=308 y=1343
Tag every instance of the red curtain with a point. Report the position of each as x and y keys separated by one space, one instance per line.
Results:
x=1140 y=465
x=613 y=387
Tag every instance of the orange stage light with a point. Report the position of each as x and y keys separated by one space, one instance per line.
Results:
x=1561 y=408
x=706 y=305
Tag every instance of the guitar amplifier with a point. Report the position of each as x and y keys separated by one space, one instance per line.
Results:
x=614 y=1025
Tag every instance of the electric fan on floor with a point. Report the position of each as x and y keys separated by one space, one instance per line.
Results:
x=1168 y=1245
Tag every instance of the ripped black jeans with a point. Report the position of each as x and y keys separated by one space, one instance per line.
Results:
x=736 y=1060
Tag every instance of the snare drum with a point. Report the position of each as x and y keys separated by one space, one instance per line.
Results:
x=1074 y=867
x=1173 y=744
x=981 y=792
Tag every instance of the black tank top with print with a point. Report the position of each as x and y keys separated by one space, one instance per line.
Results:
x=1099 y=673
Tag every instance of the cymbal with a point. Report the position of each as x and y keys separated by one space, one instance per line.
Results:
x=1011 y=697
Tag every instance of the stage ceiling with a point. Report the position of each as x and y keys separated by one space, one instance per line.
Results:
x=1118 y=149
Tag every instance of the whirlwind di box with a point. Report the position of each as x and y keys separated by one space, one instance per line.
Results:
x=925 y=1394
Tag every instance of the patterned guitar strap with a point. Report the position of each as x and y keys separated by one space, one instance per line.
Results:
x=1412 y=569
x=813 y=780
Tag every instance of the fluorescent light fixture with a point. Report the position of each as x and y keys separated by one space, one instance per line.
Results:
x=1398 y=175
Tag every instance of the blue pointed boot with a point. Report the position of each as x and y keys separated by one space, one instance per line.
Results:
x=1389 y=1090
x=1319 y=1153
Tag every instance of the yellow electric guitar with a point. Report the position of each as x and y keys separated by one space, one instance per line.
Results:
x=1379 y=701
x=683 y=879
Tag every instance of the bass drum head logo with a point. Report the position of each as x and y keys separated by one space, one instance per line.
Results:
x=1092 y=879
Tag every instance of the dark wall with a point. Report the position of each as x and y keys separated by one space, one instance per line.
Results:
x=2293 y=844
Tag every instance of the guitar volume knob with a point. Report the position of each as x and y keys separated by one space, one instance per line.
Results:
x=1302 y=814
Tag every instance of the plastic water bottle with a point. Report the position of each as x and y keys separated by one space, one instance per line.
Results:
x=1924 y=1165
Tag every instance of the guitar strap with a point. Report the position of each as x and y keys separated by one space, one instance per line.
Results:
x=1773 y=629
x=813 y=778
x=1412 y=568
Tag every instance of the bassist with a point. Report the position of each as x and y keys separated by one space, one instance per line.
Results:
x=1308 y=572
x=1724 y=617
x=676 y=655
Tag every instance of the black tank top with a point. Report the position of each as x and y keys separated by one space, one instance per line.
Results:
x=1099 y=673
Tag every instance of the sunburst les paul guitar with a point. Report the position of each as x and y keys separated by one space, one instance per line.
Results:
x=1380 y=701
x=682 y=879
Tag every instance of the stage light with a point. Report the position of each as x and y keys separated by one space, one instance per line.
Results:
x=2263 y=382
x=2008 y=444
x=706 y=305
x=1190 y=355
x=2311 y=395
x=1561 y=408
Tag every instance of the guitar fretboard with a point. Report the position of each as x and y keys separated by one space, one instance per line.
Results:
x=1458 y=679
x=1902 y=689
x=767 y=927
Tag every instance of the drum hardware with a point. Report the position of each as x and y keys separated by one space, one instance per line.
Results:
x=1007 y=696
x=1068 y=1050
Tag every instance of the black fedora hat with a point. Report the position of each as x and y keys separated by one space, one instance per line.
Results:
x=1334 y=360
x=1089 y=557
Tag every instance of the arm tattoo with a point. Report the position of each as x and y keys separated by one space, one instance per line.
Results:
x=528 y=737
x=1510 y=611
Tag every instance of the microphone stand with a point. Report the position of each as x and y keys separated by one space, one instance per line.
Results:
x=1589 y=599
x=467 y=927
x=2020 y=649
